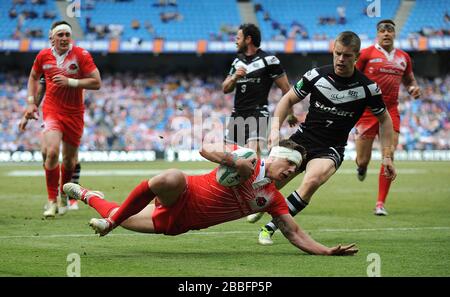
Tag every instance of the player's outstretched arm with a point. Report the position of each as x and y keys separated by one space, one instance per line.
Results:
x=303 y=241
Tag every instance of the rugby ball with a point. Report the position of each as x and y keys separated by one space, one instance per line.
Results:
x=227 y=176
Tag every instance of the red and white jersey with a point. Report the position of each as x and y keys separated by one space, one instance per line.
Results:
x=386 y=69
x=75 y=63
x=211 y=203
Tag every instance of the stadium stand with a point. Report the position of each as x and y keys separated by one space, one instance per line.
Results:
x=151 y=109
x=323 y=23
x=26 y=19
x=140 y=112
x=186 y=20
x=428 y=18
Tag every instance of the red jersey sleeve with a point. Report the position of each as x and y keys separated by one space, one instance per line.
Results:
x=362 y=60
x=87 y=63
x=37 y=64
x=278 y=206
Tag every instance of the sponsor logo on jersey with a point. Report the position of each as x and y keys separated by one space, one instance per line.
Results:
x=390 y=71
x=299 y=84
x=353 y=93
x=255 y=80
x=336 y=96
x=333 y=110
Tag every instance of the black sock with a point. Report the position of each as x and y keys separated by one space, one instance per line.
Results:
x=295 y=203
x=76 y=174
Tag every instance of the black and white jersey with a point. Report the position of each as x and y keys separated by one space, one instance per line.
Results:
x=253 y=89
x=336 y=104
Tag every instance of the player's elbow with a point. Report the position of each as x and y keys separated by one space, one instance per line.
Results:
x=96 y=85
x=202 y=152
x=225 y=89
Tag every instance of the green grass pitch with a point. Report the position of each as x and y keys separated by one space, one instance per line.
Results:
x=414 y=240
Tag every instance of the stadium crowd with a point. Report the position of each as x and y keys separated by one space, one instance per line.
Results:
x=147 y=112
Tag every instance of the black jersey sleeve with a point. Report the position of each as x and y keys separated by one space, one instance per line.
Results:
x=375 y=100
x=304 y=86
x=274 y=67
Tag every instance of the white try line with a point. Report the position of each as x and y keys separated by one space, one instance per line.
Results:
x=221 y=233
x=152 y=172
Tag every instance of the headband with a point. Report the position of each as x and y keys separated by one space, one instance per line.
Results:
x=62 y=27
x=286 y=153
x=386 y=26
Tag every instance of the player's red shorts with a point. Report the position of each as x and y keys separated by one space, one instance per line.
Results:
x=168 y=220
x=368 y=125
x=71 y=126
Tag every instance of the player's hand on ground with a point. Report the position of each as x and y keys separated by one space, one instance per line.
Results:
x=23 y=124
x=389 y=169
x=292 y=120
x=60 y=80
x=245 y=168
x=31 y=113
x=241 y=72
x=415 y=92
x=343 y=250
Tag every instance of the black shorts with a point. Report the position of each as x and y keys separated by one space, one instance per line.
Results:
x=242 y=127
x=313 y=151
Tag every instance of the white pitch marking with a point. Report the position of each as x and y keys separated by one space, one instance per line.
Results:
x=228 y=232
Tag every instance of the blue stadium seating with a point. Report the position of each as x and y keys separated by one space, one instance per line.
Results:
x=426 y=13
x=199 y=17
x=9 y=24
x=307 y=13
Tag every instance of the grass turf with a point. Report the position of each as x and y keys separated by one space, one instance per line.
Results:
x=414 y=240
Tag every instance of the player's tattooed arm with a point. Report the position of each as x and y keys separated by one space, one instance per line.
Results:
x=303 y=241
x=228 y=160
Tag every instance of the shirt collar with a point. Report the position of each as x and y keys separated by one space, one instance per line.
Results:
x=261 y=180
x=60 y=58
x=389 y=56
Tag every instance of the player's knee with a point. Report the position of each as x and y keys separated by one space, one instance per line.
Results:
x=363 y=161
x=52 y=154
x=312 y=182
